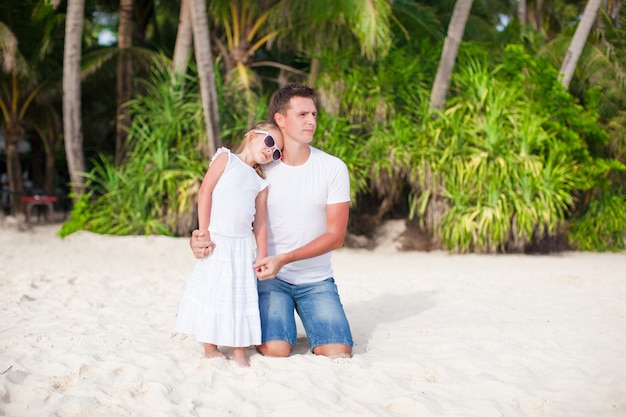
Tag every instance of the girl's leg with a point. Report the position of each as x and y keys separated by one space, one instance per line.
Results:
x=239 y=356
x=211 y=351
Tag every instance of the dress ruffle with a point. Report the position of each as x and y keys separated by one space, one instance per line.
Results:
x=220 y=301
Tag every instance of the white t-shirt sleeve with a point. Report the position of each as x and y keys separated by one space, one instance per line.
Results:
x=339 y=183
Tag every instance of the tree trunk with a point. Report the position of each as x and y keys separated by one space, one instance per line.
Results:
x=204 y=61
x=48 y=185
x=614 y=11
x=184 y=41
x=578 y=42
x=72 y=126
x=51 y=140
x=521 y=15
x=536 y=15
x=124 y=78
x=13 y=132
x=456 y=28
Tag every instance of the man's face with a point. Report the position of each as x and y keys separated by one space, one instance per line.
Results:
x=300 y=120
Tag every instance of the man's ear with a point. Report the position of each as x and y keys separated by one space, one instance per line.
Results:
x=279 y=119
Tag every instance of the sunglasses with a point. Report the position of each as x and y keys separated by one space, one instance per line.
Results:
x=269 y=141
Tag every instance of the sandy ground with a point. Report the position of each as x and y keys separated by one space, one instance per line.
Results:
x=86 y=330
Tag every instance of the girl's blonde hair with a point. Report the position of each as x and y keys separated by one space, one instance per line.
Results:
x=262 y=125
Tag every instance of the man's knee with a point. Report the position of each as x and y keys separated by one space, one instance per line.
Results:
x=275 y=348
x=333 y=351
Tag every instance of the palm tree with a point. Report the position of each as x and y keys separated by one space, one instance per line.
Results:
x=613 y=8
x=456 y=28
x=12 y=109
x=204 y=60
x=242 y=35
x=124 y=77
x=578 y=42
x=50 y=134
x=26 y=77
x=542 y=16
x=243 y=28
x=184 y=40
x=72 y=126
x=521 y=14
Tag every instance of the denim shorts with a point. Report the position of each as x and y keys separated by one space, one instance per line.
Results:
x=317 y=304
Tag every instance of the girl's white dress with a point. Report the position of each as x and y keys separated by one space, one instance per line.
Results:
x=220 y=301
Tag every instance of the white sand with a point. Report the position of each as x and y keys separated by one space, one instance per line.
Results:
x=86 y=330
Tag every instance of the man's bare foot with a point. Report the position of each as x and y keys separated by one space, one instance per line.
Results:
x=240 y=357
x=211 y=351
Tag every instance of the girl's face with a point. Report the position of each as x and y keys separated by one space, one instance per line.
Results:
x=266 y=145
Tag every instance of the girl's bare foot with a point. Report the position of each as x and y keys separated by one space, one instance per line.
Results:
x=240 y=357
x=211 y=351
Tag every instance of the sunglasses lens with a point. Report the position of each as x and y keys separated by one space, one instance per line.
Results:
x=276 y=155
x=269 y=141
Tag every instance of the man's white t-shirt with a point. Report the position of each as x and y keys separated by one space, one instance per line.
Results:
x=296 y=210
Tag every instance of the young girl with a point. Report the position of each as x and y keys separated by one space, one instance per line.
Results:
x=220 y=302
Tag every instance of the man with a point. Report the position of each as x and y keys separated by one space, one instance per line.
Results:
x=308 y=206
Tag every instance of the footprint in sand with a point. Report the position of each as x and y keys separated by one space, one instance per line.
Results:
x=16 y=377
x=405 y=405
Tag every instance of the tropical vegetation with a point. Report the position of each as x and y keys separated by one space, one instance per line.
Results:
x=491 y=126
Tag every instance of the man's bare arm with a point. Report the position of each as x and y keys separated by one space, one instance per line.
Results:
x=336 y=226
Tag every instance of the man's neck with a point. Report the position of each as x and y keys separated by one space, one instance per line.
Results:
x=297 y=154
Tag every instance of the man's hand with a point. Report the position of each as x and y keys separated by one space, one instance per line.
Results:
x=201 y=244
x=268 y=267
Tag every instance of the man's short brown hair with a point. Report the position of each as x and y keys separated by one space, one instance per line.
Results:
x=280 y=99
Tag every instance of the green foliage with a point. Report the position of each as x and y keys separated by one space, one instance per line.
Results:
x=512 y=159
x=339 y=137
x=370 y=94
x=362 y=115
x=154 y=191
x=499 y=168
x=602 y=226
x=517 y=153
x=582 y=134
x=505 y=177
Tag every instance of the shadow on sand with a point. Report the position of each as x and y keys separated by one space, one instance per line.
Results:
x=365 y=316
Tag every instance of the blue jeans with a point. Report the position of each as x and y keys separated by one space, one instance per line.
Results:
x=317 y=304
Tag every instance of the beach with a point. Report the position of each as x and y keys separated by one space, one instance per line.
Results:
x=87 y=330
